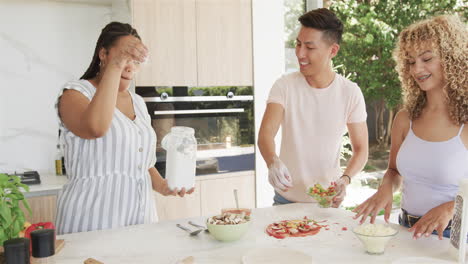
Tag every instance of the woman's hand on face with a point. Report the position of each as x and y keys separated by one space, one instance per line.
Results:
x=436 y=219
x=383 y=198
x=129 y=48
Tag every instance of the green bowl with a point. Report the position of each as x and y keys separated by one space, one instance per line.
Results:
x=228 y=233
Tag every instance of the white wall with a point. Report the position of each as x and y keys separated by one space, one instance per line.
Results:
x=121 y=11
x=42 y=45
x=269 y=61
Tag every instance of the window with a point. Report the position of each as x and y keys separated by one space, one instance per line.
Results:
x=293 y=10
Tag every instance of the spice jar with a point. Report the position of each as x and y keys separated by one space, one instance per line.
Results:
x=16 y=251
x=43 y=246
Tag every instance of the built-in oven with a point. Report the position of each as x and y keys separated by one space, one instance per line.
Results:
x=222 y=117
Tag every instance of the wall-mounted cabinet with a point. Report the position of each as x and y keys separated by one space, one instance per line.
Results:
x=168 y=29
x=195 y=42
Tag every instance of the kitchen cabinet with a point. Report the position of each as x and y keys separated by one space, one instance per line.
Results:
x=224 y=42
x=174 y=207
x=219 y=193
x=212 y=193
x=195 y=42
x=168 y=29
x=43 y=209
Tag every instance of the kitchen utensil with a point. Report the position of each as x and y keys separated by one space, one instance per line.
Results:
x=187 y=260
x=27 y=177
x=192 y=233
x=199 y=226
x=92 y=261
x=235 y=197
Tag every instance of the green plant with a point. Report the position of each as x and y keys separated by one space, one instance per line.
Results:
x=396 y=204
x=345 y=150
x=293 y=10
x=11 y=216
x=369 y=168
x=371 y=30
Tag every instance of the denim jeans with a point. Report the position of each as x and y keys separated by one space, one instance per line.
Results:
x=279 y=200
x=405 y=224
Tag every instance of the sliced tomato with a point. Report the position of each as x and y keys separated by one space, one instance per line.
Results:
x=280 y=234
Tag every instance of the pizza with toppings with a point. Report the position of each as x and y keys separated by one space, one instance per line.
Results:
x=293 y=228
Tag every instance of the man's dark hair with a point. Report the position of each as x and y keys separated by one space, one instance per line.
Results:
x=324 y=20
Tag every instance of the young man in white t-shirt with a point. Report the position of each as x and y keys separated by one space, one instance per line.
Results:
x=314 y=107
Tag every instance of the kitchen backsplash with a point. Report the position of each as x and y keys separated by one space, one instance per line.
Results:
x=43 y=45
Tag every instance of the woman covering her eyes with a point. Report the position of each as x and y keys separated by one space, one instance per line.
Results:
x=429 y=151
x=110 y=146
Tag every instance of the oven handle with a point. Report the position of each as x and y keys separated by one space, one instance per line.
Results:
x=201 y=111
x=198 y=98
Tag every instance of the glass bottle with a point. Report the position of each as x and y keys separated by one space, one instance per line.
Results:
x=58 y=161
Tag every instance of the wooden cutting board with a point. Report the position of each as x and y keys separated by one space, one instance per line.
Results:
x=59 y=243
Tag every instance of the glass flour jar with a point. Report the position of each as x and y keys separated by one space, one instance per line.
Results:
x=181 y=147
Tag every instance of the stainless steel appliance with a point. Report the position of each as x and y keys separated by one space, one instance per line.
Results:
x=221 y=116
x=27 y=177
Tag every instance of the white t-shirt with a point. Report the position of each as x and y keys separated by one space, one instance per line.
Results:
x=313 y=125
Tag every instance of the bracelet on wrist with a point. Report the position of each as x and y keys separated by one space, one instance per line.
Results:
x=345 y=175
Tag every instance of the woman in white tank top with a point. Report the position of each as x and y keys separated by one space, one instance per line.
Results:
x=429 y=151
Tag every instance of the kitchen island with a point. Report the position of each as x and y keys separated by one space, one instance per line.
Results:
x=163 y=242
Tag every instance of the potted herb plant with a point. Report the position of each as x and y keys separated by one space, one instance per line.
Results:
x=12 y=218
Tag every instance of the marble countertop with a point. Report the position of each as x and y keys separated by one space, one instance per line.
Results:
x=165 y=243
x=50 y=185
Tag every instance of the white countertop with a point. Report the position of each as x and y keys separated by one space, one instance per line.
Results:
x=50 y=185
x=165 y=243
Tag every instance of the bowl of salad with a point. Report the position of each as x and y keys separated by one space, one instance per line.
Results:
x=324 y=197
x=228 y=226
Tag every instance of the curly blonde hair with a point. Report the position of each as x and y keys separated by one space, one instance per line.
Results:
x=448 y=36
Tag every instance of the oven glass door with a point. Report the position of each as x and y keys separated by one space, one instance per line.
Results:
x=223 y=124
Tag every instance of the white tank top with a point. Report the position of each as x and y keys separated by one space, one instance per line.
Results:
x=431 y=171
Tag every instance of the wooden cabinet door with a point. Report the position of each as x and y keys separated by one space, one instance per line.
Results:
x=219 y=193
x=168 y=29
x=43 y=209
x=174 y=207
x=224 y=42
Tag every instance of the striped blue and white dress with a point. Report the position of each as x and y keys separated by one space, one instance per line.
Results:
x=109 y=183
